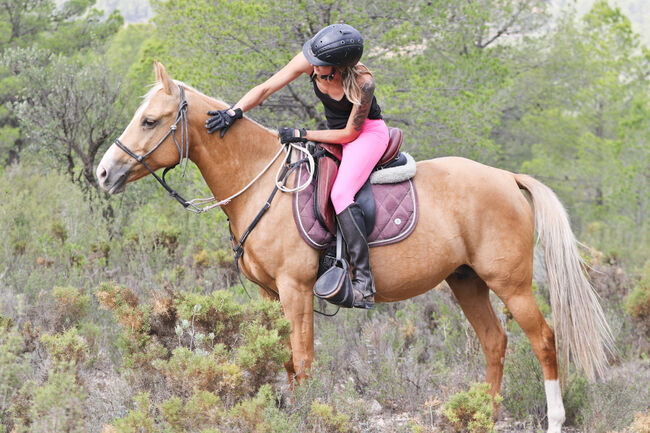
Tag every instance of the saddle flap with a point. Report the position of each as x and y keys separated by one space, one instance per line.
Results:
x=327 y=170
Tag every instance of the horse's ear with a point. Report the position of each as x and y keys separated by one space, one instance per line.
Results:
x=163 y=78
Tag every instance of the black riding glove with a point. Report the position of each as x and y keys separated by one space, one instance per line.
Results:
x=222 y=119
x=288 y=135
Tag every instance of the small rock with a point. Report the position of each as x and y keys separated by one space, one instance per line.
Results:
x=375 y=407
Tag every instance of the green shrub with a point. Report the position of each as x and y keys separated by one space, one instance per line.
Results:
x=217 y=313
x=187 y=370
x=57 y=405
x=472 y=410
x=212 y=383
x=325 y=419
x=575 y=398
x=202 y=409
x=14 y=367
x=71 y=306
x=613 y=404
x=261 y=351
x=68 y=347
x=134 y=318
x=139 y=420
x=20 y=233
x=153 y=230
x=523 y=382
x=59 y=231
x=637 y=303
x=249 y=414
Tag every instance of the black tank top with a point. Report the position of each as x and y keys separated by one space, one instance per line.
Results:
x=337 y=113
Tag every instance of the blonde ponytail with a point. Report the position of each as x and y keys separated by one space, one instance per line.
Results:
x=350 y=81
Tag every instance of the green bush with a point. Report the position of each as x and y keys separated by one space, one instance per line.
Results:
x=217 y=313
x=221 y=353
x=139 y=420
x=612 y=404
x=134 y=318
x=523 y=381
x=71 y=306
x=57 y=405
x=202 y=409
x=68 y=347
x=204 y=412
x=576 y=398
x=637 y=303
x=471 y=410
x=325 y=419
x=14 y=366
x=187 y=370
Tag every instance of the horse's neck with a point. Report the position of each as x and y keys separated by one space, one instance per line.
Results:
x=228 y=164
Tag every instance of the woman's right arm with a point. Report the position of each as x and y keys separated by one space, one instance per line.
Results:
x=292 y=70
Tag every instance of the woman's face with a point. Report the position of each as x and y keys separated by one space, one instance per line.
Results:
x=323 y=70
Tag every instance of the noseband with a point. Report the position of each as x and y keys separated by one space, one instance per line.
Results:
x=183 y=150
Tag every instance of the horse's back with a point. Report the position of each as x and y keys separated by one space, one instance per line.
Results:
x=470 y=213
x=469 y=189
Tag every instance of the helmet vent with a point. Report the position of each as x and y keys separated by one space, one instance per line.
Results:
x=323 y=50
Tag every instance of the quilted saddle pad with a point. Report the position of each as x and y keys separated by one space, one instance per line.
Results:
x=396 y=213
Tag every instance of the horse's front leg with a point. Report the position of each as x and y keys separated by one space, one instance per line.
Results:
x=297 y=301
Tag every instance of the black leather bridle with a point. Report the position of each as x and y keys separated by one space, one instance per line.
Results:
x=183 y=149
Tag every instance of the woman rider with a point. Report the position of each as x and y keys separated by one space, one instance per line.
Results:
x=346 y=88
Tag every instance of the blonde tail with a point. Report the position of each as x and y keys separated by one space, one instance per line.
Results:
x=579 y=320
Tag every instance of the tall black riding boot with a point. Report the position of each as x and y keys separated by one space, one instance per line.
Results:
x=354 y=233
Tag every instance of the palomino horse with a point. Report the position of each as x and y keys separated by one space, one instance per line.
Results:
x=471 y=214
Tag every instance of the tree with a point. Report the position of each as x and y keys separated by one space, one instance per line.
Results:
x=439 y=67
x=72 y=29
x=583 y=129
x=66 y=109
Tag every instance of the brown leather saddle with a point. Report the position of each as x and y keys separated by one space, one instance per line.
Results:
x=327 y=169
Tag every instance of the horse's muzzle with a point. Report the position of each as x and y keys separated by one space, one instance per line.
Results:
x=112 y=178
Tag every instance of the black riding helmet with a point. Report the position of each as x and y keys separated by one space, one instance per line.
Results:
x=335 y=45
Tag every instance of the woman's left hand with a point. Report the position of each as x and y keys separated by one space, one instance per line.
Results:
x=292 y=135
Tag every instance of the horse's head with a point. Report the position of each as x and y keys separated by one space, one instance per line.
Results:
x=155 y=134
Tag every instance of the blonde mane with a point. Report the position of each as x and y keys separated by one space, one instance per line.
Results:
x=157 y=86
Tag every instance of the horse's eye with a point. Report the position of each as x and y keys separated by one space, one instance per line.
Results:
x=149 y=123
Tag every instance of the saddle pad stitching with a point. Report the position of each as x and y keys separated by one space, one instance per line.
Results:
x=379 y=242
x=401 y=234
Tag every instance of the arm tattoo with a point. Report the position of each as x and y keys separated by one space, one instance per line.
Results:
x=367 y=91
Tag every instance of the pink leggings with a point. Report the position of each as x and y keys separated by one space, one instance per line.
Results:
x=359 y=158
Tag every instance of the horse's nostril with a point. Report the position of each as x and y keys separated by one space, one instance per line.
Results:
x=102 y=174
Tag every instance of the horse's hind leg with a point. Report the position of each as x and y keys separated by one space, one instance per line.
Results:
x=525 y=311
x=474 y=298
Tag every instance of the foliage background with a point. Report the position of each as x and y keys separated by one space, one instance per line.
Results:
x=556 y=90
